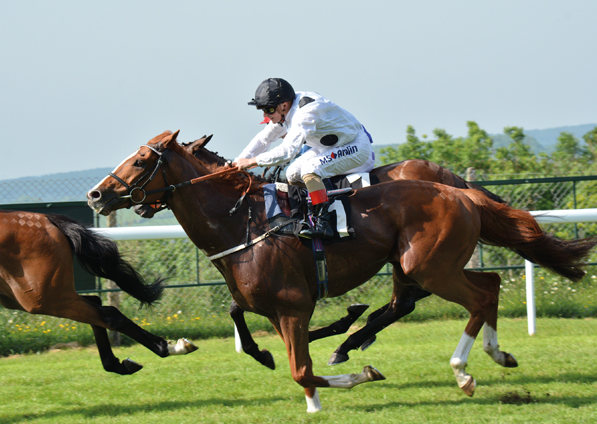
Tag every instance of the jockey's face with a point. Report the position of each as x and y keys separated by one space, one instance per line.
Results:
x=281 y=110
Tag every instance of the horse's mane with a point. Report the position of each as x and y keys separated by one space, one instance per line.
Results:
x=237 y=179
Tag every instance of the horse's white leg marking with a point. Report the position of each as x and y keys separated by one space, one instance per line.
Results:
x=458 y=363
x=313 y=404
x=492 y=348
x=348 y=381
x=182 y=347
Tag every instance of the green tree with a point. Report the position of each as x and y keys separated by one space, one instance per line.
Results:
x=456 y=154
x=476 y=151
x=518 y=157
x=568 y=148
x=414 y=148
x=591 y=140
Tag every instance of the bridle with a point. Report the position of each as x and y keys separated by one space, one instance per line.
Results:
x=135 y=186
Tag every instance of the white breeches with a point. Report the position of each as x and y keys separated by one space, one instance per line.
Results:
x=354 y=157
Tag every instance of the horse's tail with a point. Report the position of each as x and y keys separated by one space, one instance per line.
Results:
x=487 y=193
x=100 y=257
x=518 y=230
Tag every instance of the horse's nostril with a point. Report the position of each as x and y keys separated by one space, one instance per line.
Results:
x=94 y=195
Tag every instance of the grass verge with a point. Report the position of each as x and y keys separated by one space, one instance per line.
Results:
x=556 y=381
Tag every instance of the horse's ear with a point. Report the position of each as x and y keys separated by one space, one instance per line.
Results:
x=200 y=143
x=170 y=138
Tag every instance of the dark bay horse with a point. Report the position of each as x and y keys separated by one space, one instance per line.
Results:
x=427 y=231
x=36 y=276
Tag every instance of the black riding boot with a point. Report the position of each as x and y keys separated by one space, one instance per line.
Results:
x=321 y=228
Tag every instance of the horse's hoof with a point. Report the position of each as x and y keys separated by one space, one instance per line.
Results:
x=469 y=386
x=337 y=358
x=367 y=344
x=357 y=309
x=267 y=359
x=510 y=361
x=373 y=374
x=182 y=347
x=188 y=346
x=131 y=365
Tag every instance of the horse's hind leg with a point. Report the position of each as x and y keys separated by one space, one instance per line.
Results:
x=116 y=321
x=479 y=302
x=490 y=281
x=373 y=316
x=342 y=325
x=109 y=361
x=402 y=304
x=88 y=310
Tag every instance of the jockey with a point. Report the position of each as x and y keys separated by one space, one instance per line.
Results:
x=339 y=143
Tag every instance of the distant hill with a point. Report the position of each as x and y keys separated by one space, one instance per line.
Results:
x=61 y=187
x=70 y=186
x=548 y=138
x=98 y=173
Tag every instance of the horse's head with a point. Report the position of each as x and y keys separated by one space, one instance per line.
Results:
x=211 y=160
x=139 y=179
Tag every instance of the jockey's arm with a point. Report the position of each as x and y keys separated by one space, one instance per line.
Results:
x=261 y=142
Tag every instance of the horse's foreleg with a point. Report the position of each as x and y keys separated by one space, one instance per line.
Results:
x=294 y=330
x=348 y=381
x=264 y=357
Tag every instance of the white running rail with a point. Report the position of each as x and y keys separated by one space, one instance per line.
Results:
x=543 y=217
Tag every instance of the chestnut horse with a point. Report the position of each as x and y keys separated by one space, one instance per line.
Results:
x=427 y=231
x=36 y=276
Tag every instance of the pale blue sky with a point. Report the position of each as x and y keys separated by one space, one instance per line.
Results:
x=84 y=83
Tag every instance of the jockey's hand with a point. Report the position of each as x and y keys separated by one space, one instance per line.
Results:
x=245 y=164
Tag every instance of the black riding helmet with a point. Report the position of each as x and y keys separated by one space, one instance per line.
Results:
x=272 y=92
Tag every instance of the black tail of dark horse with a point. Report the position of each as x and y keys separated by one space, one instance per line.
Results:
x=100 y=257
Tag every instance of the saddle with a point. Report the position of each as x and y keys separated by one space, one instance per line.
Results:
x=286 y=205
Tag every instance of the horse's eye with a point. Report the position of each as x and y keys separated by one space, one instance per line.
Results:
x=139 y=163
